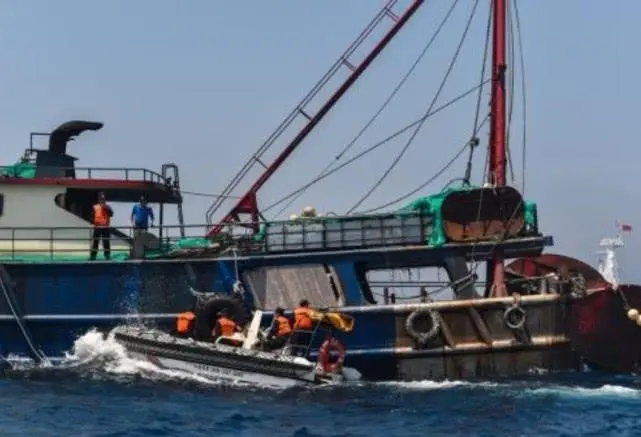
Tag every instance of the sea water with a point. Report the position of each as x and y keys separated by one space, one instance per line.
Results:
x=107 y=394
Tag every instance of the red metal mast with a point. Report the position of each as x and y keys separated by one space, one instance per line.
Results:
x=248 y=203
x=497 y=159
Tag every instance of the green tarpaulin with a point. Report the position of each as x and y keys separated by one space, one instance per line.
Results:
x=20 y=170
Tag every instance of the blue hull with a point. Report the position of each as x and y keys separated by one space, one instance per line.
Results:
x=62 y=301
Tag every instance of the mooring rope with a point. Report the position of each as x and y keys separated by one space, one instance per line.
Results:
x=37 y=354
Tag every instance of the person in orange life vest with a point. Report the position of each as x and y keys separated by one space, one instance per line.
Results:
x=101 y=218
x=185 y=324
x=280 y=331
x=303 y=325
x=225 y=326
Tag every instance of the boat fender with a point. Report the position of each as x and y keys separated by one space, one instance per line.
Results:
x=432 y=321
x=329 y=345
x=514 y=317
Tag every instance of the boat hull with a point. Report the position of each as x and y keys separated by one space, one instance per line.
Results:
x=62 y=301
x=221 y=362
x=604 y=334
x=220 y=373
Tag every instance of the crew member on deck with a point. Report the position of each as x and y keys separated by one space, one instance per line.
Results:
x=141 y=215
x=280 y=332
x=101 y=219
x=303 y=326
x=185 y=324
x=225 y=326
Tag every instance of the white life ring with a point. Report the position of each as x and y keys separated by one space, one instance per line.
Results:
x=423 y=338
x=514 y=317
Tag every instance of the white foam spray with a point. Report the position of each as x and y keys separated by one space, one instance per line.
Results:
x=95 y=348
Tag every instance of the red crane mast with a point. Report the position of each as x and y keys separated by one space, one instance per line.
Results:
x=497 y=144
x=248 y=203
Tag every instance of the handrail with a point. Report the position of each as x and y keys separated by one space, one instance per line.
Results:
x=147 y=175
x=353 y=232
x=300 y=235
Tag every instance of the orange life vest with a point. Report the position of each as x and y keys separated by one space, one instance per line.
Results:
x=284 y=328
x=302 y=318
x=100 y=215
x=227 y=326
x=184 y=322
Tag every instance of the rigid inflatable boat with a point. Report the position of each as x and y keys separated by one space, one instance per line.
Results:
x=239 y=358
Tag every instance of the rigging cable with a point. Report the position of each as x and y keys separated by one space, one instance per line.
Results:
x=523 y=94
x=420 y=125
x=479 y=97
x=510 y=90
x=430 y=180
x=486 y=164
x=214 y=195
x=387 y=101
x=373 y=147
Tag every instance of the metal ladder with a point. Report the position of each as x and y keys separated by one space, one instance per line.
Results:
x=312 y=112
x=174 y=177
x=8 y=291
x=293 y=347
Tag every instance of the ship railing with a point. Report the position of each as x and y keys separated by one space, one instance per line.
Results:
x=348 y=232
x=302 y=235
x=73 y=243
x=28 y=171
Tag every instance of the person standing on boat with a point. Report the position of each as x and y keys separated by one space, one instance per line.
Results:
x=101 y=218
x=280 y=331
x=303 y=325
x=141 y=216
x=225 y=326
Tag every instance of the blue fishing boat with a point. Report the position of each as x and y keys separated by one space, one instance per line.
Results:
x=528 y=314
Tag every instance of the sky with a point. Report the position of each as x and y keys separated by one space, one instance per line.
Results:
x=203 y=83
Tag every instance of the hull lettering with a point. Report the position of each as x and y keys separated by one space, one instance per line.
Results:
x=218 y=370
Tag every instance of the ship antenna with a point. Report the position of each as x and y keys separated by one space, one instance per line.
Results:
x=497 y=146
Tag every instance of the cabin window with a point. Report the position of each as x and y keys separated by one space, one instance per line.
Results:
x=1 y=204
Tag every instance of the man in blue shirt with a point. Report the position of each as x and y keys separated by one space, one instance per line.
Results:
x=141 y=214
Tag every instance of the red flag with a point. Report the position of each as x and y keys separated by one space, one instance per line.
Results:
x=626 y=228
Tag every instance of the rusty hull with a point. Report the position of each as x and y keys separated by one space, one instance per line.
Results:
x=603 y=333
x=474 y=341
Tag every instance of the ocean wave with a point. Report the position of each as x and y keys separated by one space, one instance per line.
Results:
x=606 y=390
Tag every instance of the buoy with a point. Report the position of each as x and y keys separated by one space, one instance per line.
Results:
x=633 y=314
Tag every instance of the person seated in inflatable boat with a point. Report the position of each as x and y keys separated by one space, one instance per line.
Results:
x=279 y=333
x=226 y=327
x=185 y=324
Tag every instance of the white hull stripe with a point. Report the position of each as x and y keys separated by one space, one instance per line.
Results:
x=218 y=373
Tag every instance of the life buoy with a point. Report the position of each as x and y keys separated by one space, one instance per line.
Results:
x=514 y=317
x=433 y=321
x=329 y=345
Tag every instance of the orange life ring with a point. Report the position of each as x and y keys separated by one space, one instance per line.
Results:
x=331 y=344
